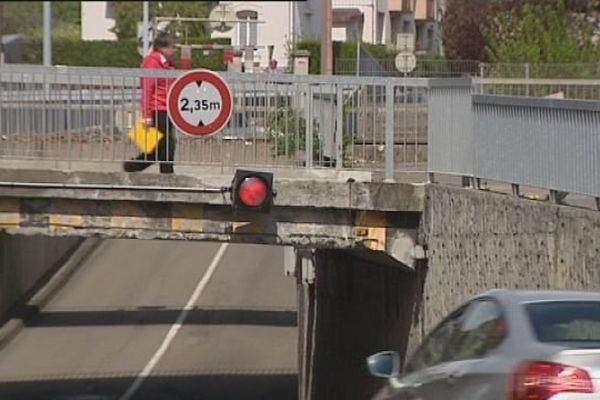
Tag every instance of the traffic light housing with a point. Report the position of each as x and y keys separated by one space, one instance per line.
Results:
x=252 y=191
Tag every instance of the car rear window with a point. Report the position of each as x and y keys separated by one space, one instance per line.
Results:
x=565 y=321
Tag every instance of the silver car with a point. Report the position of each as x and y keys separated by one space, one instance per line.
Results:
x=504 y=345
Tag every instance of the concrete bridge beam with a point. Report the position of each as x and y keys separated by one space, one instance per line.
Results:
x=351 y=303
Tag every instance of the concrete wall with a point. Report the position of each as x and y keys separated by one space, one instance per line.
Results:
x=355 y=308
x=479 y=240
x=25 y=261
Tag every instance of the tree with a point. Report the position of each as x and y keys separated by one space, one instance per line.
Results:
x=545 y=32
x=286 y=130
x=27 y=17
x=468 y=25
x=129 y=13
x=462 y=27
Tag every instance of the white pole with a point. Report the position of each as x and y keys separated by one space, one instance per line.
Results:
x=145 y=25
x=47 y=34
x=358 y=57
x=1 y=18
x=326 y=49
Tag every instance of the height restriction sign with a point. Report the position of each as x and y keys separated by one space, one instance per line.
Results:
x=200 y=103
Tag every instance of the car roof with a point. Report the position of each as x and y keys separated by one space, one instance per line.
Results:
x=527 y=296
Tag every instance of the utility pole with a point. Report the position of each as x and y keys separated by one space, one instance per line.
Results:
x=1 y=30
x=326 y=48
x=145 y=26
x=47 y=34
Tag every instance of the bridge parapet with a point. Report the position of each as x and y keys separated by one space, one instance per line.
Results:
x=306 y=214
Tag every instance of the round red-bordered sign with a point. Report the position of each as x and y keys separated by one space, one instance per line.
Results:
x=200 y=103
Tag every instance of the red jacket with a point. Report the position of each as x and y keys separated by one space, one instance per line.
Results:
x=154 y=90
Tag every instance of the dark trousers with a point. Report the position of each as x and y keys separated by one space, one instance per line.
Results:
x=164 y=152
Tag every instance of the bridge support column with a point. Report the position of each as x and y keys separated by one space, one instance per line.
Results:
x=351 y=303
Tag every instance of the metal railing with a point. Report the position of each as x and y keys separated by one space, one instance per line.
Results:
x=450 y=143
x=571 y=81
x=435 y=68
x=575 y=89
x=380 y=125
x=84 y=114
x=547 y=143
x=441 y=68
x=540 y=142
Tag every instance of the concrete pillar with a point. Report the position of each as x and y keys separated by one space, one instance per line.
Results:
x=25 y=261
x=249 y=60
x=301 y=59
x=356 y=304
x=236 y=64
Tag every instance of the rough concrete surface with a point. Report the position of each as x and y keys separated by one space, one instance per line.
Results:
x=157 y=187
x=478 y=240
x=44 y=265
x=24 y=260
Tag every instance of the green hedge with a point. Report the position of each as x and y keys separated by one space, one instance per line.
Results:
x=122 y=53
x=341 y=50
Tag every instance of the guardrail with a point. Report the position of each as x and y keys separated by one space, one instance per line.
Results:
x=576 y=89
x=438 y=68
x=539 y=142
x=78 y=113
x=547 y=143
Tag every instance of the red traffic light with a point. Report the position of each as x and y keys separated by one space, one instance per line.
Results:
x=252 y=190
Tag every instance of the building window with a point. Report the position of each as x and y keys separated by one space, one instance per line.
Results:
x=248 y=30
x=110 y=10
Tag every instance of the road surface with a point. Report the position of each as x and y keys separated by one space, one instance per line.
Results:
x=162 y=320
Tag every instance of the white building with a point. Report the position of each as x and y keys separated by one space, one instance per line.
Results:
x=371 y=21
x=97 y=18
x=350 y=17
x=282 y=23
x=269 y=24
x=279 y=24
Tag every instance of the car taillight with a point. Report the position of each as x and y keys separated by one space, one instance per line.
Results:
x=540 y=380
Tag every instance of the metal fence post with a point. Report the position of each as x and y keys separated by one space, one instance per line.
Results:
x=389 y=133
x=527 y=79
x=308 y=142
x=515 y=189
x=339 y=129
x=553 y=196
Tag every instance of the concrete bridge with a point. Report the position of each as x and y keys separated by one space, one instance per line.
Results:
x=381 y=252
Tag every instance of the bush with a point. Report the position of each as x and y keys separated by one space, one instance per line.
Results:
x=341 y=50
x=121 y=54
x=286 y=132
x=314 y=60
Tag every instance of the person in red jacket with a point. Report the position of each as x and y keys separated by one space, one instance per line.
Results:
x=154 y=106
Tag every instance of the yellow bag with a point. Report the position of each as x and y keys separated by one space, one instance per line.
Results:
x=145 y=137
